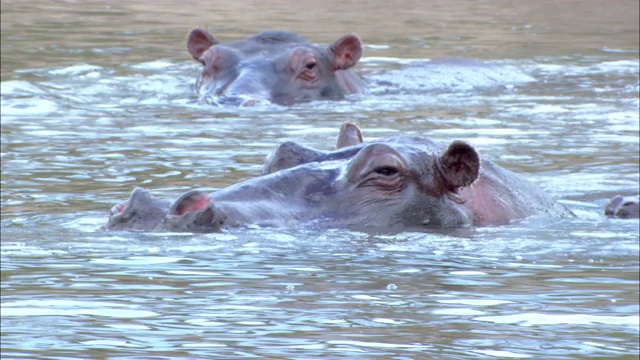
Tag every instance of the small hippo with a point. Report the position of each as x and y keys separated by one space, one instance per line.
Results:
x=404 y=182
x=278 y=66
x=623 y=208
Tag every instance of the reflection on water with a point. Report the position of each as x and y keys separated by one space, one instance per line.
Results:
x=97 y=98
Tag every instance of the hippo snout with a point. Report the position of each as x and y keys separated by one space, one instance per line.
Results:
x=237 y=92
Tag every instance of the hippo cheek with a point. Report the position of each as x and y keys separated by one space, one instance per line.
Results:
x=447 y=214
x=417 y=210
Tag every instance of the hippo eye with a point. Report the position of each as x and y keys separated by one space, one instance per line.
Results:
x=309 y=71
x=386 y=171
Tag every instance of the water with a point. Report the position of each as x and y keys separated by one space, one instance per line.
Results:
x=97 y=98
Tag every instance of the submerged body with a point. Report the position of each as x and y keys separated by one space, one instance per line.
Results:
x=276 y=66
x=389 y=184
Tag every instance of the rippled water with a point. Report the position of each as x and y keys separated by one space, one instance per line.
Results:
x=97 y=99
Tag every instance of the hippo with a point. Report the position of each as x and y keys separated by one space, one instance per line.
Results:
x=275 y=66
x=389 y=185
x=623 y=208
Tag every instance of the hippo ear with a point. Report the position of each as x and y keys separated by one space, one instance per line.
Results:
x=290 y=154
x=459 y=166
x=194 y=211
x=194 y=200
x=622 y=208
x=345 y=52
x=349 y=135
x=613 y=205
x=198 y=41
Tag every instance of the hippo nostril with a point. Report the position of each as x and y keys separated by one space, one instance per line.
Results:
x=117 y=209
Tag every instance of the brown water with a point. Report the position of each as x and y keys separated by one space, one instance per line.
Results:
x=97 y=99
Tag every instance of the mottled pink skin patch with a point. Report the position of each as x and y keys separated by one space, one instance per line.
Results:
x=487 y=206
x=491 y=201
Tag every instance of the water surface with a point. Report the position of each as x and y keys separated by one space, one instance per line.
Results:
x=97 y=99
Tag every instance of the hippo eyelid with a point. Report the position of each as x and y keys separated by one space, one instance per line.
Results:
x=309 y=76
x=303 y=64
x=386 y=170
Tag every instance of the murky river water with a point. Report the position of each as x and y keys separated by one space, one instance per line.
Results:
x=97 y=99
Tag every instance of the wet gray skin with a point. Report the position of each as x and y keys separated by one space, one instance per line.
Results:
x=276 y=66
x=623 y=208
x=140 y=212
x=389 y=185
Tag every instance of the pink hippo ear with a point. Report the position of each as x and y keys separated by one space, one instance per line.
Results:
x=198 y=41
x=194 y=200
x=345 y=52
x=459 y=166
x=194 y=211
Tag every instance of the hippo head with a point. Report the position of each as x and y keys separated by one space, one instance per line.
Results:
x=397 y=182
x=276 y=66
x=623 y=208
x=387 y=184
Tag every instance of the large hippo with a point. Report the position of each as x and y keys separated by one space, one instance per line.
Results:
x=388 y=184
x=277 y=66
